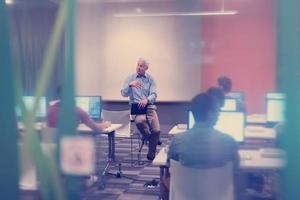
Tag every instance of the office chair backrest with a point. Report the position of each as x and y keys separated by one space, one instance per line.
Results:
x=205 y=184
x=119 y=117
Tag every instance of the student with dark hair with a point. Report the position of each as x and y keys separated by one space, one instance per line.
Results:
x=225 y=83
x=218 y=94
x=82 y=116
x=202 y=146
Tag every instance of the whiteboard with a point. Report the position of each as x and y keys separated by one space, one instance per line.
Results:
x=109 y=47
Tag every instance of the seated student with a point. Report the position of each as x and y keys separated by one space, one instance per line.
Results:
x=82 y=116
x=225 y=83
x=202 y=146
x=218 y=94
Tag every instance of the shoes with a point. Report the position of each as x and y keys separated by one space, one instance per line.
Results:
x=145 y=139
x=159 y=142
x=149 y=157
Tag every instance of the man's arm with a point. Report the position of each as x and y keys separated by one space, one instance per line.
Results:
x=152 y=92
x=84 y=118
x=126 y=89
x=97 y=127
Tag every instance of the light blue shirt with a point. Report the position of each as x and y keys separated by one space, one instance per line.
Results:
x=203 y=147
x=147 y=91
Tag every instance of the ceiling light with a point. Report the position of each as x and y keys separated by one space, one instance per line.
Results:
x=9 y=2
x=168 y=14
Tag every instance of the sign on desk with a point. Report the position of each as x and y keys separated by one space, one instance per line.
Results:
x=77 y=155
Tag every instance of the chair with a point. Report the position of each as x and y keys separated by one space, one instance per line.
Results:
x=127 y=130
x=119 y=117
x=205 y=184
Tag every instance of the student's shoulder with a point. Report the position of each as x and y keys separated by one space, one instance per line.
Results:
x=180 y=136
x=224 y=136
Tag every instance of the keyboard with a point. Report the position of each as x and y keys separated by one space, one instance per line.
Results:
x=182 y=126
x=256 y=129
x=272 y=153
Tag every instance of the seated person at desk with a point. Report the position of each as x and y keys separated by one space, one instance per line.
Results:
x=218 y=94
x=82 y=116
x=140 y=87
x=203 y=146
x=225 y=83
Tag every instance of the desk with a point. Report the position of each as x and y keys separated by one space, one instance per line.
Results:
x=251 y=131
x=250 y=159
x=256 y=119
x=28 y=178
x=110 y=132
x=38 y=126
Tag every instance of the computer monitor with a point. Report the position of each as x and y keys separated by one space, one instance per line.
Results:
x=231 y=123
x=230 y=104
x=29 y=103
x=275 y=104
x=190 y=119
x=91 y=104
x=239 y=96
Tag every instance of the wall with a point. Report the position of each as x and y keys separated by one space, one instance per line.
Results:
x=108 y=48
x=242 y=47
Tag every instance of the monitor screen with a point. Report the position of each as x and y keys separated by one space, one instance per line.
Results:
x=275 y=103
x=229 y=105
x=191 y=120
x=29 y=102
x=91 y=104
x=231 y=123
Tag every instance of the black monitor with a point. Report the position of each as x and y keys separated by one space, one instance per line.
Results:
x=239 y=96
x=29 y=103
x=231 y=123
x=91 y=104
x=275 y=108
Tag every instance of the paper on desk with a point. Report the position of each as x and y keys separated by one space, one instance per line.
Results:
x=77 y=155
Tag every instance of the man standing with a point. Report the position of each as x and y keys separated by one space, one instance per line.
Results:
x=140 y=87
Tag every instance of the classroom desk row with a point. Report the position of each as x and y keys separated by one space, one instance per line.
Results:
x=250 y=159
x=28 y=179
x=251 y=131
x=259 y=157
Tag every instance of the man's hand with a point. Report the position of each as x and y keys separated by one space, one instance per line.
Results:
x=142 y=103
x=104 y=125
x=135 y=83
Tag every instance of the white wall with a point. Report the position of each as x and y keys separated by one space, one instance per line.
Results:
x=108 y=48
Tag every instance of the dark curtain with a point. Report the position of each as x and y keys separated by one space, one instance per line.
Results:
x=31 y=27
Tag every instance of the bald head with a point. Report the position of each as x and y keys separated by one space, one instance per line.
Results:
x=142 y=67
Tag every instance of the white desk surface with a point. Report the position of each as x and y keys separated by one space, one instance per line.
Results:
x=254 y=159
x=250 y=159
x=179 y=128
x=82 y=127
x=113 y=127
x=28 y=179
x=251 y=131
x=256 y=119
x=38 y=126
